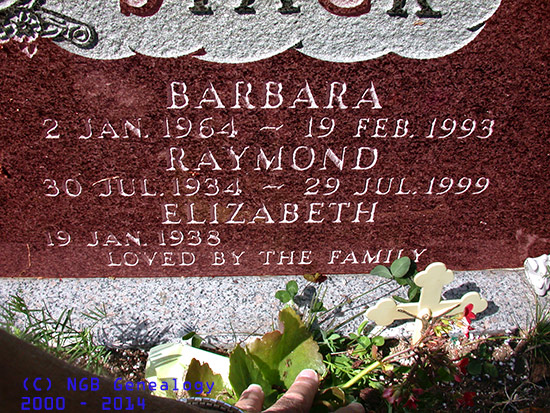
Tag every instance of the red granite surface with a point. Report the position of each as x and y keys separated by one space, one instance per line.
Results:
x=502 y=75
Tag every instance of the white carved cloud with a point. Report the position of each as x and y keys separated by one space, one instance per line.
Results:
x=228 y=37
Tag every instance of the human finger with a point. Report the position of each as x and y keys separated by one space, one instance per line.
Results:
x=251 y=399
x=299 y=397
x=351 y=408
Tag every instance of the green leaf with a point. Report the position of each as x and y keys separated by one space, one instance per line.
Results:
x=365 y=341
x=381 y=271
x=292 y=288
x=329 y=399
x=413 y=292
x=281 y=356
x=196 y=340
x=443 y=373
x=400 y=299
x=423 y=379
x=202 y=373
x=243 y=371
x=188 y=335
x=362 y=326
x=400 y=267
x=378 y=341
x=490 y=369
x=474 y=367
x=317 y=307
x=283 y=296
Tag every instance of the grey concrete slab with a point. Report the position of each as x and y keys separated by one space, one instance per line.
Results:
x=226 y=310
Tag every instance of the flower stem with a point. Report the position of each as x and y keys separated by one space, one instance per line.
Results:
x=362 y=374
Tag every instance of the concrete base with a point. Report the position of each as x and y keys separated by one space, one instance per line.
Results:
x=147 y=311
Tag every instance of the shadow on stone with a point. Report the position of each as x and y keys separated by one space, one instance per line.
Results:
x=137 y=334
x=491 y=309
x=458 y=292
x=305 y=298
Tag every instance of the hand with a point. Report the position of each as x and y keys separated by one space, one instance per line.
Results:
x=298 y=399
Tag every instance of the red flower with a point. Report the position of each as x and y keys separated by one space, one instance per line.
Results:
x=389 y=395
x=411 y=403
x=418 y=391
x=462 y=364
x=467 y=399
x=392 y=395
x=469 y=315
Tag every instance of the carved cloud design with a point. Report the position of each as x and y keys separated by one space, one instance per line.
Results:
x=228 y=37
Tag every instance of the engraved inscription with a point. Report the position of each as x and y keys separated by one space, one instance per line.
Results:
x=214 y=176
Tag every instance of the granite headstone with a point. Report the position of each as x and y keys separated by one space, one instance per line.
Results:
x=193 y=138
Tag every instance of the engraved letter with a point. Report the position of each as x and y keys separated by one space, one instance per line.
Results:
x=374 y=153
x=245 y=98
x=307 y=99
x=338 y=97
x=237 y=158
x=262 y=158
x=177 y=99
x=371 y=92
x=311 y=158
x=169 y=212
x=215 y=98
x=360 y=211
x=176 y=155
x=276 y=95
x=289 y=217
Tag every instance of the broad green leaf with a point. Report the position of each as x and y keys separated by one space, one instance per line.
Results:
x=202 y=373
x=400 y=267
x=188 y=335
x=281 y=356
x=196 y=340
x=365 y=341
x=381 y=271
x=283 y=296
x=292 y=288
x=243 y=372
x=378 y=341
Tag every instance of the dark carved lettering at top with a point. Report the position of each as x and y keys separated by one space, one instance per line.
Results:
x=142 y=8
x=146 y=8
x=425 y=9
x=352 y=9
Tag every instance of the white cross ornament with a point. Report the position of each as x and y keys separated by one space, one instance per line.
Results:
x=431 y=280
